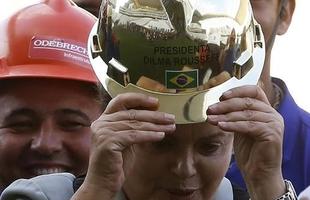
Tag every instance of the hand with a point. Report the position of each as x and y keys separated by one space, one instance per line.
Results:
x=128 y=119
x=258 y=138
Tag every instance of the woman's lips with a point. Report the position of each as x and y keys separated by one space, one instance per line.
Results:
x=182 y=193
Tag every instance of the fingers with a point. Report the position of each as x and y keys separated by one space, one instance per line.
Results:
x=107 y=140
x=246 y=115
x=238 y=104
x=242 y=98
x=128 y=101
x=127 y=127
x=246 y=110
x=128 y=119
x=130 y=137
x=250 y=122
x=138 y=125
x=140 y=115
x=254 y=129
x=251 y=91
x=120 y=134
x=117 y=122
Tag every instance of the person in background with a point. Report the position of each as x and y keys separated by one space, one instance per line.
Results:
x=275 y=17
x=48 y=91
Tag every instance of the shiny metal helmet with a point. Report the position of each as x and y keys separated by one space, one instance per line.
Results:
x=184 y=52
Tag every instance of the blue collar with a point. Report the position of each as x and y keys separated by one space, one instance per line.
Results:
x=290 y=111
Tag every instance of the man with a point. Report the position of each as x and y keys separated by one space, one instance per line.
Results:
x=48 y=92
x=275 y=17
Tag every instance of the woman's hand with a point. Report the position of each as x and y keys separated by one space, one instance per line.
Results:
x=128 y=119
x=258 y=132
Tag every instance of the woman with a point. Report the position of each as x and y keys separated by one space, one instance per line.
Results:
x=144 y=153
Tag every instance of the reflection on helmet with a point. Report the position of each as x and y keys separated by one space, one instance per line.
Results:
x=41 y=39
x=186 y=51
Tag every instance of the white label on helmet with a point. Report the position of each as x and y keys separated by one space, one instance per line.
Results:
x=46 y=47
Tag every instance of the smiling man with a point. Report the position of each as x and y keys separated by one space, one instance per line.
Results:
x=48 y=92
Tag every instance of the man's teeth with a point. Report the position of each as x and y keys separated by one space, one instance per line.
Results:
x=48 y=171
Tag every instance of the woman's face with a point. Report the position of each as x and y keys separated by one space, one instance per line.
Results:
x=188 y=164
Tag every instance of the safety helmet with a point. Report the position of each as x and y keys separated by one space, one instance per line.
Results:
x=46 y=39
x=186 y=53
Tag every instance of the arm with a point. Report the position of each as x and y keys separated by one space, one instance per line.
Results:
x=128 y=119
x=258 y=139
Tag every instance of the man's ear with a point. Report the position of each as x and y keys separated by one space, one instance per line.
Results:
x=286 y=15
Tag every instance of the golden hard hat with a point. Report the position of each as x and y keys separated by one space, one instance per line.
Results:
x=186 y=53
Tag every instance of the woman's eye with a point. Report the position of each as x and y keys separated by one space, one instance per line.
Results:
x=164 y=145
x=209 y=148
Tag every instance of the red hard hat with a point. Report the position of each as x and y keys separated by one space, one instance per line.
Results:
x=48 y=40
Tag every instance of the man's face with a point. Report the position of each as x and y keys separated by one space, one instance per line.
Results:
x=44 y=127
x=189 y=164
x=91 y=6
x=266 y=13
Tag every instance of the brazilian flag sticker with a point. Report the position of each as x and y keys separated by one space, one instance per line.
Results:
x=181 y=79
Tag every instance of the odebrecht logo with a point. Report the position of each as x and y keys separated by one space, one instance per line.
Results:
x=60 y=45
x=48 y=47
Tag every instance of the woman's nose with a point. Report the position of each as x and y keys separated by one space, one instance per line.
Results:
x=184 y=166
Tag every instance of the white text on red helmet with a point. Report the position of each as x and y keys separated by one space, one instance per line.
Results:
x=60 y=45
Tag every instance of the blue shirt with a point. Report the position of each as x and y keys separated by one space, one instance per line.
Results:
x=296 y=144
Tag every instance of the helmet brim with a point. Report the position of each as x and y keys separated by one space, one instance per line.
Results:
x=49 y=71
